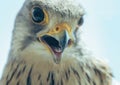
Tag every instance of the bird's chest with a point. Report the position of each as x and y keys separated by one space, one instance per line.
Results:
x=53 y=76
x=22 y=74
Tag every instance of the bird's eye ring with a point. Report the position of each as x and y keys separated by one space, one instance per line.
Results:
x=39 y=15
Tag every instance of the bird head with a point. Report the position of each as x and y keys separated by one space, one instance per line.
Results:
x=44 y=29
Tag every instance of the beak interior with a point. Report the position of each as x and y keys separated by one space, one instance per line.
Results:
x=51 y=42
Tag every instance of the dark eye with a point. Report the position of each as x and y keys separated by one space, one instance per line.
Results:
x=80 y=22
x=37 y=14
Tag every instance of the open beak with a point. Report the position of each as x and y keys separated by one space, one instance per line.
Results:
x=57 y=40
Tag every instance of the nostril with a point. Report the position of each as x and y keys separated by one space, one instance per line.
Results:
x=70 y=42
x=57 y=29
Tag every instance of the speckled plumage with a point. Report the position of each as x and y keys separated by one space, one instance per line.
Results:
x=30 y=63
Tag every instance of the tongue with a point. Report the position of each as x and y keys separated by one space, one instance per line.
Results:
x=57 y=51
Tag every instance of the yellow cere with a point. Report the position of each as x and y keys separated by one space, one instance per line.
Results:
x=60 y=27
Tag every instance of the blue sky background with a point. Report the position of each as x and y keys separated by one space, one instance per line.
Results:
x=100 y=32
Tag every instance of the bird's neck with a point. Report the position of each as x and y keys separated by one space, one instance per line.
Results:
x=72 y=70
